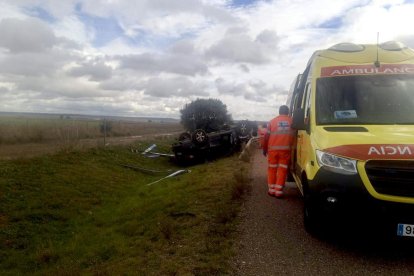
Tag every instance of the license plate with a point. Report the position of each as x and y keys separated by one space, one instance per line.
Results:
x=405 y=230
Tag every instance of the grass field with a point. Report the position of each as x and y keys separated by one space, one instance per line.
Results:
x=29 y=135
x=84 y=213
x=54 y=128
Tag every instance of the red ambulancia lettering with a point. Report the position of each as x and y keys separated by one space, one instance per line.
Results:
x=375 y=151
x=367 y=70
x=389 y=150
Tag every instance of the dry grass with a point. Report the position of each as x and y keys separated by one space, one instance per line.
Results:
x=29 y=137
x=17 y=130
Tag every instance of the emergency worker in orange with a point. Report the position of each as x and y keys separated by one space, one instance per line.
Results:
x=262 y=134
x=277 y=147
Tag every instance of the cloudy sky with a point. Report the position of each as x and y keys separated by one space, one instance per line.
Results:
x=151 y=57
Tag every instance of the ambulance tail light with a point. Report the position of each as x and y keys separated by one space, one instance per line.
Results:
x=335 y=163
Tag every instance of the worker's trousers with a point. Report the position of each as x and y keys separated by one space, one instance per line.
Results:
x=277 y=170
x=261 y=141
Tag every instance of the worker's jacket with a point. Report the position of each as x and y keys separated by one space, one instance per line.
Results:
x=279 y=134
x=262 y=135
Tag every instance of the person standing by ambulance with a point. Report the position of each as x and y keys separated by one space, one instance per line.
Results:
x=277 y=146
x=262 y=134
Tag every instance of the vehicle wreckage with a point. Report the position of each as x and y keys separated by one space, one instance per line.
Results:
x=201 y=145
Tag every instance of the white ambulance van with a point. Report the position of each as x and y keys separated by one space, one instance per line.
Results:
x=353 y=107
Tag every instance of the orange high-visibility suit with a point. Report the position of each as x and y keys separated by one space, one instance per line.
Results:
x=262 y=134
x=278 y=142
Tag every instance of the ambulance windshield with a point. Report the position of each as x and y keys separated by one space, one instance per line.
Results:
x=370 y=99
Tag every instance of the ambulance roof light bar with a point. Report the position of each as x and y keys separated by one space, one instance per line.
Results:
x=392 y=46
x=347 y=47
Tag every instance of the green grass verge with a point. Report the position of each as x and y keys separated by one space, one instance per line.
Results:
x=83 y=213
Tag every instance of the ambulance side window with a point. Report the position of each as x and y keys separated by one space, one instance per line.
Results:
x=299 y=102
x=295 y=104
x=307 y=102
x=301 y=89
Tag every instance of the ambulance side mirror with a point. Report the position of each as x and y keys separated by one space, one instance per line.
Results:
x=298 y=119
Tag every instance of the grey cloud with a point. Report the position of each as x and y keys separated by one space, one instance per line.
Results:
x=181 y=86
x=237 y=46
x=121 y=83
x=257 y=84
x=144 y=62
x=254 y=97
x=283 y=92
x=4 y=89
x=208 y=10
x=244 y=68
x=183 y=47
x=254 y=90
x=57 y=88
x=179 y=64
x=175 y=6
x=30 y=35
x=236 y=30
x=219 y=14
x=148 y=15
x=34 y=64
x=226 y=88
x=238 y=49
x=68 y=44
x=95 y=70
x=268 y=37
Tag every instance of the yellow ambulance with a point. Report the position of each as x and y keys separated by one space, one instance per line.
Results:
x=353 y=107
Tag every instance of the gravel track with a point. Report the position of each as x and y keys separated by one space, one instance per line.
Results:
x=272 y=240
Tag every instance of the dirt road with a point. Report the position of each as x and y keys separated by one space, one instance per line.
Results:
x=273 y=240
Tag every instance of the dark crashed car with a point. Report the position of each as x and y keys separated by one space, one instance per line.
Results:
x=201 y=145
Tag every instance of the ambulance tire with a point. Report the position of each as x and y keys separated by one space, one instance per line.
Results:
x=312 y=216
x=289 y=177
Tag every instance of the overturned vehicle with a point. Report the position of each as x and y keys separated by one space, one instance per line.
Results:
x=202 y=144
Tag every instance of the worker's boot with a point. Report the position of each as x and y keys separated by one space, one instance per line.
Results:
x=271 y=191
x=279 y=194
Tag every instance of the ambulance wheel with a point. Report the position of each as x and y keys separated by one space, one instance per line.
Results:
x=309 y=218
x=312 y=218
x=289 y=177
